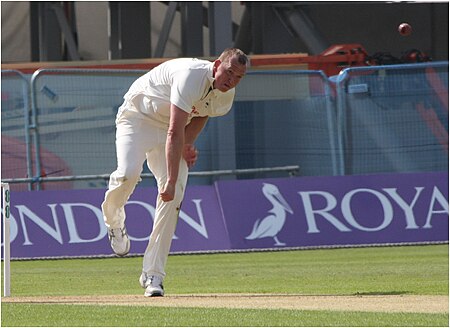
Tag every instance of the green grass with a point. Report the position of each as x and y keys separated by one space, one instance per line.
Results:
x=415 y=270
x=134 y=316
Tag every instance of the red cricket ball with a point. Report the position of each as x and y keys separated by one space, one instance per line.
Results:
x=404 y=29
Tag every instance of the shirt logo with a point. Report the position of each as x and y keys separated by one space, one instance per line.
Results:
x=194 y=110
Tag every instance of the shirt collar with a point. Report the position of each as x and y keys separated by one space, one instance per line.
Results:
x=210 y=74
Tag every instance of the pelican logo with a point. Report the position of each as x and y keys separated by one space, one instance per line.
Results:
x=272 y=224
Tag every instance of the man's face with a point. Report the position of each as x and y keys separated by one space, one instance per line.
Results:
x=228 y=74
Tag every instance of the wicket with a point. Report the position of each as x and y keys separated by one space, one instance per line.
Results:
x=6 y=199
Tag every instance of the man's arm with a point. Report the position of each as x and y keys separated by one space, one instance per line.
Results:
x=194 y=128
x=174 y=148
x=191 y=133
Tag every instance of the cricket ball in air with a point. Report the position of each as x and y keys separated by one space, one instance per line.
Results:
x=404 y=29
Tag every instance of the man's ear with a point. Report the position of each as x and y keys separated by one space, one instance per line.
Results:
x=216 y=65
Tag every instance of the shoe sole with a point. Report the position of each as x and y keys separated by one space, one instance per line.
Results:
x=126 y=251
x=154 y=294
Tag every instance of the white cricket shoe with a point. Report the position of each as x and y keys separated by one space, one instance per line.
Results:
x=120 y=243
x=153 y=285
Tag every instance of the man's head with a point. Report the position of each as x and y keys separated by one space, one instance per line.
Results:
x=229 y=69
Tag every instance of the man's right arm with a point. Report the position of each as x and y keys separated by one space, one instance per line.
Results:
x=174 y=148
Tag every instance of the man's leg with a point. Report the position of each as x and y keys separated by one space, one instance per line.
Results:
x=130 y=156
x=166 y=217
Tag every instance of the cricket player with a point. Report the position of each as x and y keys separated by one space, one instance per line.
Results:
x=162 y=115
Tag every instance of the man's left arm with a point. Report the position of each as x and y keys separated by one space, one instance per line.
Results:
x=191 y=133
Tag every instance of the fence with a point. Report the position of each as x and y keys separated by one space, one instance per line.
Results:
x=16 y=118
x=373 y=119
x=394 y=118
x=76 y=110
x=284 y=118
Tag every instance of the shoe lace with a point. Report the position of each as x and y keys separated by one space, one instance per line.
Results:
x=123 y=232
x=156 y=281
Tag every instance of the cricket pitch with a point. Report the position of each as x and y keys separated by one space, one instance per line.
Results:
x=366 y=303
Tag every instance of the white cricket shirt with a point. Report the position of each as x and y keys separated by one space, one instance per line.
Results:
x=185 y=82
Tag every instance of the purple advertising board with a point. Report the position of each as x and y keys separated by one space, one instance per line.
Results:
x=347 y=210
x=70 y=223
x=243 y=214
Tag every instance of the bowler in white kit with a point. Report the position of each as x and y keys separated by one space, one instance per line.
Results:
x=162 y=115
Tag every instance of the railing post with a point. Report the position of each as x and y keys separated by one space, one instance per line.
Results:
x=35 y=128
x=340 y=121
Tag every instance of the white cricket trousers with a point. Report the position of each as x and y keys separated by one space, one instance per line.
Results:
x=138 y=139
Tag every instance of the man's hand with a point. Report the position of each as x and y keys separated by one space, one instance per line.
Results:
x=168 y=192
x=190 y=154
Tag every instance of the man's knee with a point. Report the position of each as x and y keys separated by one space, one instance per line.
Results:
x=120 y=178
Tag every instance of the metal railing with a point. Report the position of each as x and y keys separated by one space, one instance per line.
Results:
x=17 y=98
x=292 y=170
x=393 y=118
x=369 y=119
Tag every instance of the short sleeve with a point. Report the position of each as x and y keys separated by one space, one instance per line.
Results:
x=186 y=89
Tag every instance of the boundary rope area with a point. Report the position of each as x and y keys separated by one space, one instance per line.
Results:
x=233 y=251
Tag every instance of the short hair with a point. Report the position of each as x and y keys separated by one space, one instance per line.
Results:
x=230 y=52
